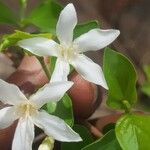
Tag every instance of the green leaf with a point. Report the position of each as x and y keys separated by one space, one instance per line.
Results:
x=121 y=78
x=62 y=109
x=133 y=132
x=146 y=69
x=23 y=2
x=108 y=127
x=52 y=62
x=85 y=135
x=107 y=142
x=45 y=16
x=146 y=88
x=85 y=27
x=11 y=39
x=7 y=15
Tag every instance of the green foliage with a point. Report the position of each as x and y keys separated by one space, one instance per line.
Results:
x=108 y=127
x=121 y=78
x=133 y=132
x=146 y=86
x=108 y=142
x=11 y=39
x=85 y=135
x=7 y=16
x=85 y=27
x=23 y=2
x=45 y=16
x=52 y=62
x=146 y=69
x=62 y=109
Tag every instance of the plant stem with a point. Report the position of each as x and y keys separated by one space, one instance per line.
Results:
x=22 y=12
x=42 y=62
x=127 y=106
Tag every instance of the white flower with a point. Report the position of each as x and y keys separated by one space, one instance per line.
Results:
x=28 y=113
x=70 y=51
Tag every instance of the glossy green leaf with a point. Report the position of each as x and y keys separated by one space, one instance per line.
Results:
x=107 y=142
x=85 y=135
x=62 y=109
x=45 y=16
x=85 y=27
x=121 y=78
x=7 y=16
x=11 y=39
x=133 y=132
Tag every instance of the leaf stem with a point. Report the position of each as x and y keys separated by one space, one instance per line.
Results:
x=127 y=106
x=22 y=12
x=42 y=62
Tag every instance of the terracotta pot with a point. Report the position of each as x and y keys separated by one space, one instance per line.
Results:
x=86 y=96
x=101 y=122
x=6 y=137
x=29 y=75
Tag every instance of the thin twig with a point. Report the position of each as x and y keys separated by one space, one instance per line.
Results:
x=94 y=130
x=42 y=62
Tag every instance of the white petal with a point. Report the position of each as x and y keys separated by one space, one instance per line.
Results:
x=50 y=92
x=7 y=117
x=89 y=70
x=66 y=23
x=56 y=128
x=40 y=46
x=10 y=93
x=61 y=71
x=24 y=135
x=96 y=39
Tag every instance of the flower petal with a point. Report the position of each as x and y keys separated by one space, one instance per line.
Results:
x=61 y=71
x=10 y=93
x=50 y=92
x=39 y=46
x=7 y=117
x=89 y=70
x=24 y=135
x=56 y=128
x=96 y=39
x=66 y=23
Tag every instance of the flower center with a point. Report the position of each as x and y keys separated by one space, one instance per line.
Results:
x=66 y=52
x=26 y=109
